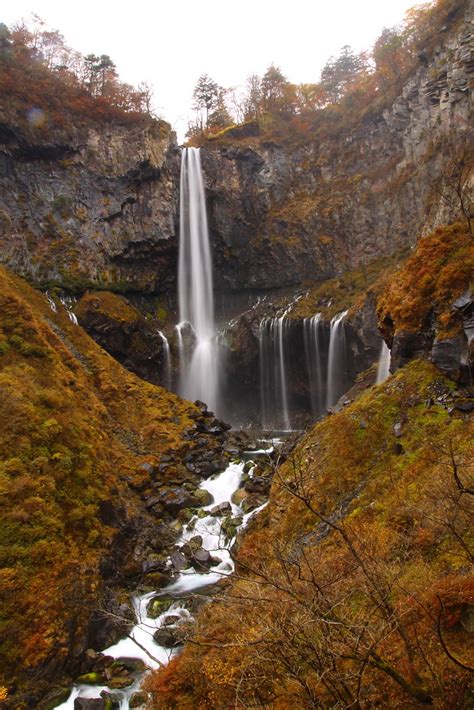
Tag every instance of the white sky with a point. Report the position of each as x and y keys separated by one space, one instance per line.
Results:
x=171 y=43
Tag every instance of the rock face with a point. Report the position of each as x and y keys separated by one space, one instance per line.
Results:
x=281 y=213
x=96 y=205
x=91 y=205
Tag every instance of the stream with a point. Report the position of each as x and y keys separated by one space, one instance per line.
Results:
x=140 y=643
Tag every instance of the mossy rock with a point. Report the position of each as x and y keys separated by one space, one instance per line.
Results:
x=203 y=496
x=93 y=678
x=57 y=697
x=120 y=681
x=158 y=606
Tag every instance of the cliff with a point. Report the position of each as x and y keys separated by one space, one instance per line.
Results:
x=93 y=203
x=307 y=203
x=89 y=205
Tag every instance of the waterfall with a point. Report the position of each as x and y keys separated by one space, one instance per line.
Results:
x=199 y=376
x=383 y=367
x=312 y=328
x=166 y=360
x=336 y=358
x=273 y=376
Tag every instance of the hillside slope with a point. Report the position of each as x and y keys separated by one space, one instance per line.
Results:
x=80 y=441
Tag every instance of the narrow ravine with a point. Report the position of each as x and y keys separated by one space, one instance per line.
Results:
x=154 y=639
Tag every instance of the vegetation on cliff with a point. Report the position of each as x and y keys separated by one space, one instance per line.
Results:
x=351 y=86
x=46 y=82
x=426 y=286
x=77 y=431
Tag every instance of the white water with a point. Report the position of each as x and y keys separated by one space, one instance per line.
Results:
x=312 y=333
x=336 y=356
x=221 y=488
x=383 y=367
x=166 y=360
x=200 y=373
x=273 y=374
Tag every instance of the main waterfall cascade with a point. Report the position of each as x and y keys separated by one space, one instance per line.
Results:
x=199 y=360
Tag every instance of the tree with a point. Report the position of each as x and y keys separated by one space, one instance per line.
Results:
x=342 y=71
x=5 y=41
x=274 y=91
x=253 y=98
x=206 y=97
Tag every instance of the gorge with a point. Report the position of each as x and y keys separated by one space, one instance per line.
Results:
x=236 y=395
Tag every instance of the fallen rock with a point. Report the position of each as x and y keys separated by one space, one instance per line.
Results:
x=258 y=484
x=167 y=637
x=179 y=560
x=221 y=509
x=89 y=704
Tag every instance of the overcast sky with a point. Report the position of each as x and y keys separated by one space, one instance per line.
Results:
x=170 y=43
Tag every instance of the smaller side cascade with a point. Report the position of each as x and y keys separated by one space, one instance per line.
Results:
x=166 y=361
x=383 y=367
x=336 y=359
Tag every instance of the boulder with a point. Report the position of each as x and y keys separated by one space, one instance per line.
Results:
x=89 y=704
x=157 y=606
x=179 y=560
x=252 y=501
x=221 y=509
x=258 y=484
x=201 y=559
x=167 y=638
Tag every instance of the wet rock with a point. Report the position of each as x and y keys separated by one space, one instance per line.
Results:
x=203 y=497
x=464 y=405
x=120 y=681
x=258 y=484
x=167 y=638
x=201 y=559
x=238 y=496
x=178 y=560
x=230 y=525
x=175 y=499
x=129 y=665
x=157 y=606
x=89 y=704
x=221 y=509
x=93 y=678
x=112 y=700
x=138 y=699
x=252 y=501
x=171 y=620
x=55 y=698
x=408 y=346
x=157 y=580
x=190 y=547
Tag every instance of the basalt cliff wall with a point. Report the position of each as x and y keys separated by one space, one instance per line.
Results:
x=286 y=209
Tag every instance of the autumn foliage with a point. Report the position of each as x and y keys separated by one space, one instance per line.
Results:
x=75 y=428
x=46 y=83
x=355 y=588
x=425 y=287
